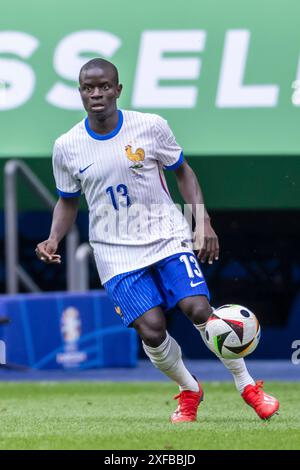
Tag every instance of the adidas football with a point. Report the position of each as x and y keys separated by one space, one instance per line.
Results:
x=232 y=331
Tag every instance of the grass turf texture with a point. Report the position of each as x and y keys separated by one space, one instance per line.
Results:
x=104 y=415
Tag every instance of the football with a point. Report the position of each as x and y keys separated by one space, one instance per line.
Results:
x=232 y=331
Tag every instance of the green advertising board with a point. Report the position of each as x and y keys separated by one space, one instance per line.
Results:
x=224 y=73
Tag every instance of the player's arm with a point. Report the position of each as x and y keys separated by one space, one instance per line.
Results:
x=191 y=192
x=64 y=216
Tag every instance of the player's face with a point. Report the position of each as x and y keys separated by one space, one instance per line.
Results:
x=99 y=91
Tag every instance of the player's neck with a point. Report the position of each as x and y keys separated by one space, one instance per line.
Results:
x=103 y=125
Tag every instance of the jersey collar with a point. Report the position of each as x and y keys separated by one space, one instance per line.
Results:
x=111 y=134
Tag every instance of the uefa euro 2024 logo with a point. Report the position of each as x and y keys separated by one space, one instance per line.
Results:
x=70 y=327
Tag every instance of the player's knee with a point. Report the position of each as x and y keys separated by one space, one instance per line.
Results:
x=200 y=313
x=153 y=334
x=197 y=310
x=151 y=327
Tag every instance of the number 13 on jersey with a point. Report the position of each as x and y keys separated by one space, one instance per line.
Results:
x=121 y=198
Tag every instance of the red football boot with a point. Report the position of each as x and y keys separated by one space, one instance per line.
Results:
x=264 y=405
x=187 y=405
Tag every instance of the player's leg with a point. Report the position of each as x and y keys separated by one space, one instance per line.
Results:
x=137 y=301
x=162 y=350
x=183 y=284
x=182 y=281
x=198 y=309
x=165 y=354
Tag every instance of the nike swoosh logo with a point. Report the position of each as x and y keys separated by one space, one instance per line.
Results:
x=82 y=170
x=194 y=284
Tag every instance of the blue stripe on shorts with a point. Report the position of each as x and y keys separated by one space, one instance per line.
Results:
x=133 y=294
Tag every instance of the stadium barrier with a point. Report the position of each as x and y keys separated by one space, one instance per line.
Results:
x=65 y=330
x=14 y=271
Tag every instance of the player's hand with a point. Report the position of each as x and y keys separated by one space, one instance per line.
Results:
x=209 y=246
x=46 y=252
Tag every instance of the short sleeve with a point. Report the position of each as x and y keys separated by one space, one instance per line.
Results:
x=66 y=185
x=168 y=152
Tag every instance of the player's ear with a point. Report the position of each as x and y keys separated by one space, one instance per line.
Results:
x=119 y=90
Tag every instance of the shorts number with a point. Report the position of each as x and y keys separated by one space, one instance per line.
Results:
x=191 y=270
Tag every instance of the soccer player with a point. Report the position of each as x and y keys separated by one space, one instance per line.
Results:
x=116 y=158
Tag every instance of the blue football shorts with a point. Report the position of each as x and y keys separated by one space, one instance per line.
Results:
x=164 y=283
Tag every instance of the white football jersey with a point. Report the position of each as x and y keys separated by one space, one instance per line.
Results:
x=133 y=221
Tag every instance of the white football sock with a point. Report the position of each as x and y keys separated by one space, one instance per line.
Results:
x=167 y=358
x=237 y=367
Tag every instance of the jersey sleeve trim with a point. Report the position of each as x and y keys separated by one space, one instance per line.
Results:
x=175 y=165
x=68 y=195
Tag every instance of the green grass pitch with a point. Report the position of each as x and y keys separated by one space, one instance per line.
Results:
x=106 y=415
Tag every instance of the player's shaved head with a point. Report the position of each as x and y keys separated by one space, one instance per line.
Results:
x=101 y=64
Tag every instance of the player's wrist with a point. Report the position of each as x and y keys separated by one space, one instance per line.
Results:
x=53 y=239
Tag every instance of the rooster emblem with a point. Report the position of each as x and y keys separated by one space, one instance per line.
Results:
x=136 y=157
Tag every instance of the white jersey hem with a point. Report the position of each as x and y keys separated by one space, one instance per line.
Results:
x=145 y=265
